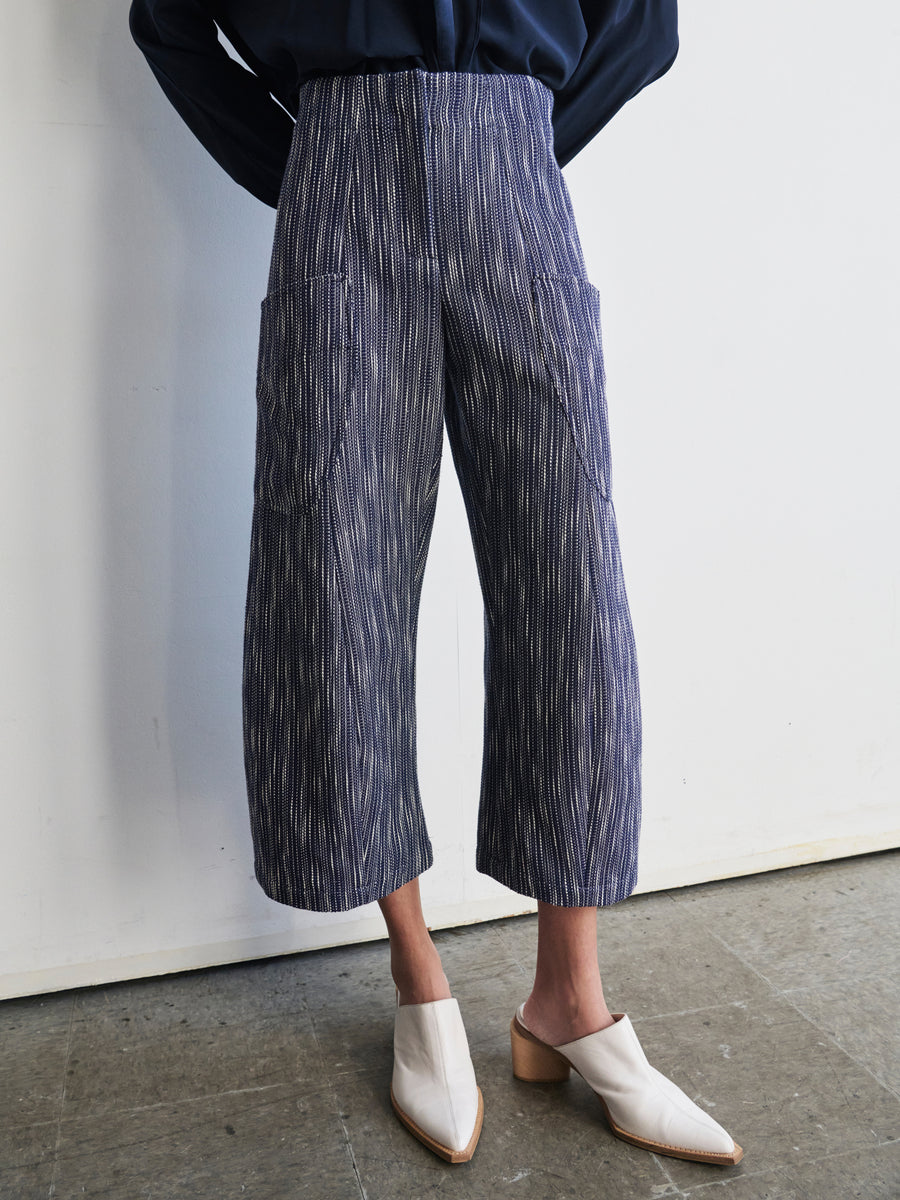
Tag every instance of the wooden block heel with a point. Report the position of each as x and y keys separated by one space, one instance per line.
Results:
x=533 y=1060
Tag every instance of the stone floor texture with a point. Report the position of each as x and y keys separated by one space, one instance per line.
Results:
x=771 y=999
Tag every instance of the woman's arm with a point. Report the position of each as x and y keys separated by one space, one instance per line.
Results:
x=630 y=44
x=226 y=106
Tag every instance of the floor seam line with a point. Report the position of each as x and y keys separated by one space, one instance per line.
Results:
x=348 y=1145
x=786 y=998
x=778 y=1168
x=62 y=1101
x=843 y=1049
x=742 y=1003
x=658 y=1159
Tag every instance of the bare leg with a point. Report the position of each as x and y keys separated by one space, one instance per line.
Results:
x=566 y=1001
x=415 y=963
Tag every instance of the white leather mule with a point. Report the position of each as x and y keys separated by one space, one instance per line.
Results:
x=433 y=1088
x=642 y=1106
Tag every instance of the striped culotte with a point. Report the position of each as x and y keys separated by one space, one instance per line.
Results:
x=426 y=267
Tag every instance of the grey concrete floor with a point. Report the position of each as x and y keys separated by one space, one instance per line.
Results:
x=772 y=1000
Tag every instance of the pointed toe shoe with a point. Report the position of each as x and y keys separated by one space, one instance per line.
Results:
x=433 y=1088
x=642 y=1105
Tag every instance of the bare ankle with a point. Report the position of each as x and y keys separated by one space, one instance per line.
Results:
x=418 y=974
x=557 y=1018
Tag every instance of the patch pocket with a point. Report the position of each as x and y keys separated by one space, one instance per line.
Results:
x=302 y=383
x=567 y=315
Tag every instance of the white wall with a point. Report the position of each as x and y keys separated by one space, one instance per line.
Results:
x=739 y=220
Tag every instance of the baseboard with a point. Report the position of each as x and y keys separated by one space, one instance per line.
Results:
x=371 y=928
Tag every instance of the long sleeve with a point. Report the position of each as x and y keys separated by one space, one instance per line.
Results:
x=228 y=108
x=630 y=44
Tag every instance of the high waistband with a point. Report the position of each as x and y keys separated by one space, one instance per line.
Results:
x=442 y=98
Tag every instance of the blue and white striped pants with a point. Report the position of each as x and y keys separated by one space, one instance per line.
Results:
x=426 y=267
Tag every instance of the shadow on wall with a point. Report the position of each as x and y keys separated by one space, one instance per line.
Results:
x=181 y=258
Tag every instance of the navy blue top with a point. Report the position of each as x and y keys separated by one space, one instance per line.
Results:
x=594 y=55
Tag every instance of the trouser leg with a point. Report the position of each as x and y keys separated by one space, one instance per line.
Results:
x=348 y=452
x=559 y=815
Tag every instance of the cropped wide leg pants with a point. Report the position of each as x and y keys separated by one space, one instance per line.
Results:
x=426 y=269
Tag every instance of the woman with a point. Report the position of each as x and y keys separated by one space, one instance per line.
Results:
x=426 y=269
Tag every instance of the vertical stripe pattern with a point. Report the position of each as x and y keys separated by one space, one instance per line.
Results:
x=426 y=271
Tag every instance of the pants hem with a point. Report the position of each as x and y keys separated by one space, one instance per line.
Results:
x=342 y=899
x=560 y=894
